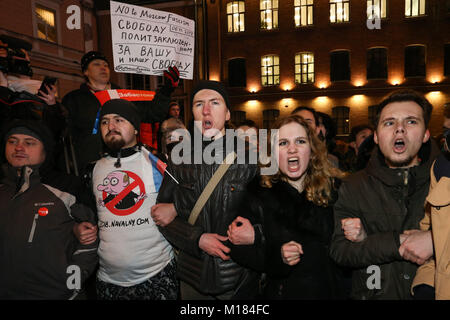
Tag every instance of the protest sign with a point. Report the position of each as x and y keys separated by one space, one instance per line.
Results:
x=147 y=41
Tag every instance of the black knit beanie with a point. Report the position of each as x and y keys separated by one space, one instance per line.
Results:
x=123 y=108
x=212 y=85
x=90 y=56
x=33 y=128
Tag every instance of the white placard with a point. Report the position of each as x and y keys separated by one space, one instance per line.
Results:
x=147 y=41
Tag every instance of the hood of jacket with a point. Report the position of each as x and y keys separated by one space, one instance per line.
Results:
x=41 y=130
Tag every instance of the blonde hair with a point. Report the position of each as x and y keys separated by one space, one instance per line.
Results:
x=318 y=183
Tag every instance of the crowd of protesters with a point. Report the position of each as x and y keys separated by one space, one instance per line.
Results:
x=206 y=219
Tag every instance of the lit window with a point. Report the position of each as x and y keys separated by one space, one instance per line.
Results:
x=269 y=14
x=46 y=24
x=303 y=13
x=304 y=67
x=341 y=118
x=339 y=11
x=376 y=9
x=235 y=16
x=270 y=70
x=269 y=118
x=414 y=8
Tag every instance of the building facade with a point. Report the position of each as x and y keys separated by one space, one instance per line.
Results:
x=340 y=57
x=60 y=33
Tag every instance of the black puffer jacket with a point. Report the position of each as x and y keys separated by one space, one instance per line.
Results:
x=208 y=274
x=388 y=202
x=83 y=107
x=286 y=215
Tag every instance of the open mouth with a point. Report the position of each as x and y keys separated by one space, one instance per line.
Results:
x=399 y=145
x=293 y=164
x=207 y=124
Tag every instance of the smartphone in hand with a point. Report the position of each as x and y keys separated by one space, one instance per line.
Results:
x=49 y=81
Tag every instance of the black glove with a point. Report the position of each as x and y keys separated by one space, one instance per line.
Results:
x=172 y=78
x=424 y=292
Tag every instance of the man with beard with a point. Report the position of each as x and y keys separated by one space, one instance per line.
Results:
x=136 y=261
x=379 y=208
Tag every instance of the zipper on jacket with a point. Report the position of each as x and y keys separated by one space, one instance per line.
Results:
x=33 y=228
x=405 y=177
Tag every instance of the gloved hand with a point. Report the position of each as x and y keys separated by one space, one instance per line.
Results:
x=172 y=76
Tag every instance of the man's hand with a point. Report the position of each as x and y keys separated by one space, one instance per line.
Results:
x=85 y=232
x=163 y=213
x=50 y=97
x=173 y=76
x=290 y=252
x=353 y=229
x=417 y=247
x=241 y=231
x=212 y=244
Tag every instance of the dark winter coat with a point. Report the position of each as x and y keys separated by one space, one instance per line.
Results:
x=83 y=108
x=37 y=249
x=388 y=202
x=283 y=214
x=209 y=275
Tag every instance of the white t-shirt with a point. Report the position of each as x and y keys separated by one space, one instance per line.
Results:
x=131 y=247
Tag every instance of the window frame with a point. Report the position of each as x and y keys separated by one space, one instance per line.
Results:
x=273 y=13
x=446 y=60
x=302 y=64
x=49 y=6
x=309 y=8
x=242 y=115
x=380 y=9
x=372 y=114
x=336 y=4
x=272 y=67
x=415 y=64
x=243 y=72
x=331 y=65
x=240 y=16
x=269 y=117
x=337 y=118
x=377 y=77
x=411 y=2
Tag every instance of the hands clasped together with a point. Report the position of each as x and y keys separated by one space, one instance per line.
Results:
x=415 y=245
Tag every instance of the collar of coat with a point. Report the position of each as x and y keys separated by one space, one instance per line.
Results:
x=378 y=168
x=29 y=176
